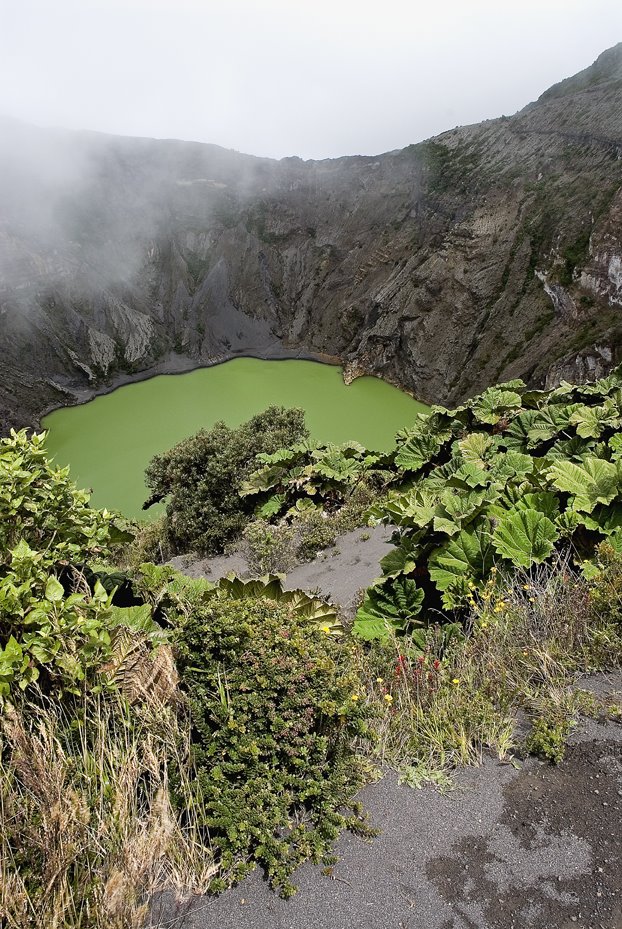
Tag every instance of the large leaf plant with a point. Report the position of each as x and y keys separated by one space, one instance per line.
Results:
x=501 y=482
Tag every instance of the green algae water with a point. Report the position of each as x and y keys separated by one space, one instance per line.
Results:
x=109 y=441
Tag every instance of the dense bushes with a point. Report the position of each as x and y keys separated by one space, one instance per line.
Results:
x=275 y=706
x=202 y=477
x=305 y=478
x=505 y=481
x=494 y=503
x=41 y=507
x=86 y=826
x=54 y=628
x=271 y=698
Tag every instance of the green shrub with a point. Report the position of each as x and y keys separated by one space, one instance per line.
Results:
x=202 y=477
x=355 y=510
x=316 y=532
x=86 y=826
x=275 y=709
x=46 y=635
x=547 y=739
x=277 y=548
x=268 y=549
x=54 y=628
x=41 y=506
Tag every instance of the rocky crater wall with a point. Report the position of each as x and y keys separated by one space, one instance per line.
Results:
x=492 y=251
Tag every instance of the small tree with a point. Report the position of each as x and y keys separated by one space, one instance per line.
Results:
x=203 y=474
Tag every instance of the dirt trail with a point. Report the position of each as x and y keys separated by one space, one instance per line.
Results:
x=535 y=848
x=339 y=573
x=531 y=848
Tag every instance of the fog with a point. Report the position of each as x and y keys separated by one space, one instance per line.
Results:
x=279 y=77
x=268 y=78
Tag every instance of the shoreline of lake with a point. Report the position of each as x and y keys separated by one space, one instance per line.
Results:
x=181 y=364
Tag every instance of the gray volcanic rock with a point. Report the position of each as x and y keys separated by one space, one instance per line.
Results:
x=492 y=251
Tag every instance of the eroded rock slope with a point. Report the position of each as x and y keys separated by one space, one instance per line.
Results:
x=488 y=252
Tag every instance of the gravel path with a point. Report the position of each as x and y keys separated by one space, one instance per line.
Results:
x=535 y=848
x=339 y=573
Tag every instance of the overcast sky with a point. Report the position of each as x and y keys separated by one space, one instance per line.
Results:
x=315 y=78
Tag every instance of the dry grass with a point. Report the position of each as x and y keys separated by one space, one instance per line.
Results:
x=87 y=831
x=149 y=544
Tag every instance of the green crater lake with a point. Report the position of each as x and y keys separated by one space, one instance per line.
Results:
x=109 y=441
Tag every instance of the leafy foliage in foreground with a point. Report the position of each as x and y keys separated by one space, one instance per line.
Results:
x=86 y=825
x=278 y=704
x=202 y=477
x=54 y=628
x=41 y=506
x=274 y=705
x=500 y=483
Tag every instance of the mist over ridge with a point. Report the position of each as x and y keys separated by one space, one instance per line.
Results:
x=489 y=251
x=280 y=79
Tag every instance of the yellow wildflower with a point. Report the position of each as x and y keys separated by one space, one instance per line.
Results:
x=325 y=629
x=456 y=680
x=388 y=698
x=379 y=680
x=354 y=697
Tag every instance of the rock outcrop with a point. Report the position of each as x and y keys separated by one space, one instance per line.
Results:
x=489 y=252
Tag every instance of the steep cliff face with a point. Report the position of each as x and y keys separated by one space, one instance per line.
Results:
x=489 y=252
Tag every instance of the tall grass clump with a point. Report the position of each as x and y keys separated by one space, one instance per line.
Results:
x=87 y=830
x=91 y=726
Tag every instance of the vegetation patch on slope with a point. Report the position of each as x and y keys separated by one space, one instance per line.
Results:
x=161 y=731
x=506 y=481
x=155 y=732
